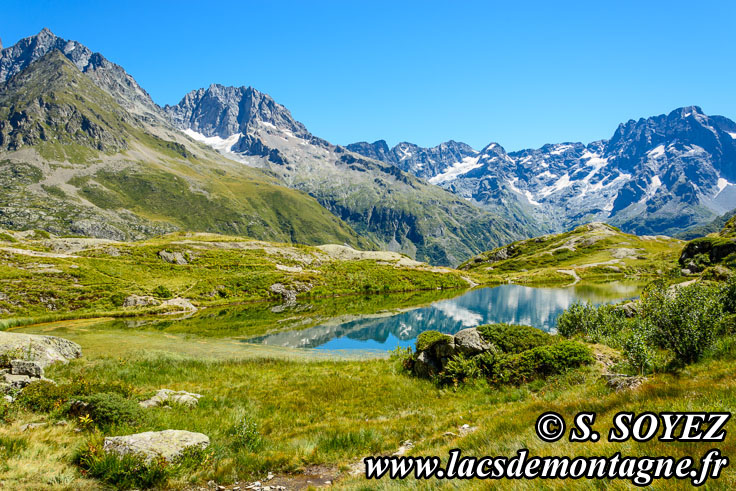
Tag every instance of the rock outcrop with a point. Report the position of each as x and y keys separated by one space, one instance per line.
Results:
x=43 y=350
x=168 y=397
x=167 y=444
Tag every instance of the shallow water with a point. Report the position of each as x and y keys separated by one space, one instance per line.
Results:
x=514 y=304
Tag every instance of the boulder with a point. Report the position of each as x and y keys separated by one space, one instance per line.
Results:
x=469 y=342
x=180 y=304
x=44 y=350
x=173 y=257
x=629 y=309
x=169 y=397
x=167 y=444
x=425 y=366
x=139 y=301
x=23 y=367
x=16 y=381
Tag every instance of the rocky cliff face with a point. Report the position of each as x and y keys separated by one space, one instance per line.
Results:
x=380 y=200
x=110 y=77
x=662 y=174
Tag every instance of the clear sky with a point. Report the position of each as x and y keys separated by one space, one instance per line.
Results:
x=518 y=73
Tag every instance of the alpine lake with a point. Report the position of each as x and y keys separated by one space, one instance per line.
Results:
x=343 y=327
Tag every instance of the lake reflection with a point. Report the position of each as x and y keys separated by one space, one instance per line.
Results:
x=514 y=304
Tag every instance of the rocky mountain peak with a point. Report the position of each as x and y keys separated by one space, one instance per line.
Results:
x=108 y=76
x=224 y=111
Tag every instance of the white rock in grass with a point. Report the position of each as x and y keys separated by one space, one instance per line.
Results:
x=168 y=444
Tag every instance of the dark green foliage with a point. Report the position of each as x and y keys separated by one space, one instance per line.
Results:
x=637 y=350
x=684 y=322
x=728 y=295
x=540 y=362
x=7 y=409
x=108 y=409
x=461 y=369
x=511 y=338
x=591 y=322
x=127 y=472
x=428 y=339
x=162 y=292
x=43 y=396
x=117 y=299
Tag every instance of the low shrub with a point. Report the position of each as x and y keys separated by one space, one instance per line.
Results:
x=403 y=358
x=511 y=338
x=245 y=434
x=107 y=409
x=43 y=396
x=162 y=292
x=428 y=339
x=592 y=323
x=460 y=369
x=636 y=349
x=126 y=472
x=540 y=362
x=685 y=321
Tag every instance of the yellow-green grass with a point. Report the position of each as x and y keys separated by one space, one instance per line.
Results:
x=594 y=252
x=220 y=270
x=311 y=410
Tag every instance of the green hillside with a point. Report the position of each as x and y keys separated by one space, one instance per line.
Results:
x=72 y=161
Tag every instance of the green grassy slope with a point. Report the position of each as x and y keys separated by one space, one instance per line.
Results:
x=589 y=251
x=73 y=161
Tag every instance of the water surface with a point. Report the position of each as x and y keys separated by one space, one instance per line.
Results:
x=514 y=304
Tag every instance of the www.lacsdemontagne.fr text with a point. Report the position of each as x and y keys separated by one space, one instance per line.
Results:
x=640 y=471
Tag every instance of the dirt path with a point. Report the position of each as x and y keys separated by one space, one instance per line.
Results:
x=572 y=273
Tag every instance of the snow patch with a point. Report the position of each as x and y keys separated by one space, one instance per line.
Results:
x=528 y=195
x=656 y=152
x=733 y=135
x=722 y=184
x=561 y=184
x=560 y=149
x=457 y=169
x=222 y=144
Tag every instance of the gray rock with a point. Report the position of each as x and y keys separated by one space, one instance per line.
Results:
x=23 y=367
x=17 y=381
x=425 y=366
x=181 y=304
x=173 y=257
x=32 y=426
x=140 y=301
x=630 y=309
x=168 y=444
x=469 y=343
x=44 y=350
x=169 y=397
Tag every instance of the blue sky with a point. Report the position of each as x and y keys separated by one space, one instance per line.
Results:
x=518 y=73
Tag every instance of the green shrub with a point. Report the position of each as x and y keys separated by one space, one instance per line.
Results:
x=636 y=349
x=428 y=339
x=403 y=358
x=511 y=338
x=460 y=369
x=43 y=396
x=7 y=238
x=245 y=434
x=728 y=295
x=684 y=321
x=541 y=362
x=593 y=323
x=162 y=292
x=7 y=410
x=117 y=299
x=126 y=472
x=108 y=409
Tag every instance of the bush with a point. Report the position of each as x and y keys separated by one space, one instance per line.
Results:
x=403 y=358
x=460 y=369
x=108 y=409
x=162 y=292
x=428 y=339
x=511 y=338
x=117 y=299
x=636 y=349
x=43 y=396
x=126 y=472
x=728 y=295
x=593 y=323
x=246 y=435
x=541 y=362
x=685 y=321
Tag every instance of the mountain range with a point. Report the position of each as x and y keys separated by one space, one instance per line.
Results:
x=85 y=150
x=659 y=175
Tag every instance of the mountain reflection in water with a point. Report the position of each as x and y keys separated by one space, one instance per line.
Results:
x=513 y=304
